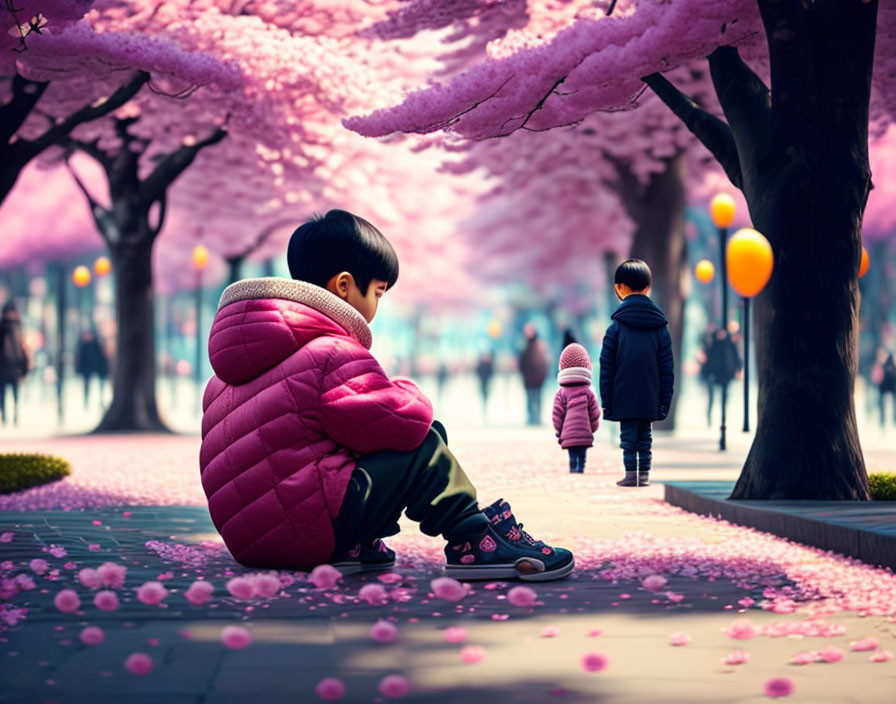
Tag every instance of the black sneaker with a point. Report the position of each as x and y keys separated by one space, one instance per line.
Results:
x=503 y=550
x=375 y=557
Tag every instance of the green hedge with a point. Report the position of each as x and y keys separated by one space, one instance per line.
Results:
x=883 y=486
x=21 y=471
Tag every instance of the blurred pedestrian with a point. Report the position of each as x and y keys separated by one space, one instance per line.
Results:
x=14 y=360
x=485 y=369
x=886 y=386
x=533 y=363
x=723 y=363
x=91 y=361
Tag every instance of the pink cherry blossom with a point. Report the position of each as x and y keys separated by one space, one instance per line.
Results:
x=549 y=632
x=472 y=653
x=24 y=582
x=831 y=654
x=330 y=689
x=881 y=656
x=199 y=592
x=736 y=657
x=865 y=644
x=804 y=657
x=90 y=578
x=390 y=578
x=92 y=635
x=151 y=593
x=112 y=574
x=522 y=596
x=594 y=662
x=241 y=587
x=106 y=600
x=384 y=631
x=448 y=589
x=6 y=537
x=38 y=566
x=266 y=585
x=454 y=634
x=742 y=629
x=374 y=594
x=654 y=582
x=235 y=637
x=67 y=601
x=394 y=686
x=324 y=577
x=679 y=638
x=138 y=664
x=778 y=687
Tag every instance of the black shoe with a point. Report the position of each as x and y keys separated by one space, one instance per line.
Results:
x=631 y=479
x=643 y=478
x=375 y=557
x=503 y=550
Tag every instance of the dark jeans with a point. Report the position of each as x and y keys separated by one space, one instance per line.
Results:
x=710 y=387
x=533 y=406
x=635 y=440
x=426 y=482
x=15 y=400
x=577 y=459
x=881 y=402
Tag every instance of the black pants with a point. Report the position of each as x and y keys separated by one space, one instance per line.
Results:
x=15 y=400
x=427 y=483
x=881 y=401
x=533 y=406
x=577 y=459
x=635 y=439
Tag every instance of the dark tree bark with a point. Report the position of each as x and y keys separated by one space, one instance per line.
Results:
x=800 y=154
x=15 y=153
x=657 y=209
x=130 y=236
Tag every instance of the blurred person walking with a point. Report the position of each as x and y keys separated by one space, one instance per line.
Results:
x=91 y=361
x=533 y=363
x=887 y=385
x=14 y=360
x=485 y=369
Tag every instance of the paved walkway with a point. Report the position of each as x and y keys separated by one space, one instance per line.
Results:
x=717 y=576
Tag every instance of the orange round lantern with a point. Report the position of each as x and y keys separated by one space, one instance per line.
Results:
x=494 y=328
x=102 y=266
x=81 y=276
x=722 y=209
x=863 y=267
x=200 y=256
x=750 y=262
x=705 y=271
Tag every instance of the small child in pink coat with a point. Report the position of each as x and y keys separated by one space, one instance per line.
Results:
x=576 y=411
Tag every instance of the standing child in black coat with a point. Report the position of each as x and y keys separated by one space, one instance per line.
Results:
x=636 y=369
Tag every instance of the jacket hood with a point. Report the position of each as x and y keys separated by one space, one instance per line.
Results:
x=638 y=311
x=261 y=322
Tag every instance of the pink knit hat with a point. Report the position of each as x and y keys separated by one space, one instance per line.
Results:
x=574 y=355
x=575 y=365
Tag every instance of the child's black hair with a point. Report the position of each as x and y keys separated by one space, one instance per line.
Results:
x=339 y=241
x=634 y=273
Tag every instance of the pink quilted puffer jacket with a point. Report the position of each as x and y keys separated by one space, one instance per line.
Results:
x=295 y=400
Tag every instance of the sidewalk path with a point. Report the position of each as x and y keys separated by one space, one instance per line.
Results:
x=726 y=588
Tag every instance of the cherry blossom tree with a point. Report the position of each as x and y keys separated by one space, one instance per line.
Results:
x=798 y=150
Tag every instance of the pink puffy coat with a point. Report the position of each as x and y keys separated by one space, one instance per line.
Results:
x=295 y=400
x=576 y=415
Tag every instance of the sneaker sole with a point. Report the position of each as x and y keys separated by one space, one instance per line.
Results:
x=470 y=573
x=347 y=568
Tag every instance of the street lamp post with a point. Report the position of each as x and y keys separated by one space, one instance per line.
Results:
x=200 y=261
x=722 y=210
x=750 y=264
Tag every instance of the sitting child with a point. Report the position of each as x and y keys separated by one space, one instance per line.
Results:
x=310 y=452
x=576 y=413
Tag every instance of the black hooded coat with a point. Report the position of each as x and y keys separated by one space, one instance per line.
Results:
x=636 y=367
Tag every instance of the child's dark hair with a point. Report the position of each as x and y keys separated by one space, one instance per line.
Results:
x=634 y=273
x=339 y=241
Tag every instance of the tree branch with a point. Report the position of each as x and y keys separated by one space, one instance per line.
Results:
x=173 y=165
x=91 y=149
x=87 y=113
x=25 y=95
x=101 y=216
x=712 y=132
x=163 y=209
x=261 y=238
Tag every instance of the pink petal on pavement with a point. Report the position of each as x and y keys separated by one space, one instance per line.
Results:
x=67 y=601
x=138 y=664
x=472 y=653
x=394 y=686
x=881 y=656
x=594 y=662
x=455 y=634
x=736 y=657
x=325 y=577
x=522 y=596
x=448 y=589
x=679 y=638
x=384 y=631
x=92 y=635
x=330 y=689
x=235 y=637
x=778 y=687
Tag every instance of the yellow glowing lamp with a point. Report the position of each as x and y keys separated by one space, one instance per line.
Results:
x=722 y=209
x=200 y=256
x=750 y=262
x=81 y=276
x=494 y=328
x=863 y=267
x=705 y=271
x=102 y=266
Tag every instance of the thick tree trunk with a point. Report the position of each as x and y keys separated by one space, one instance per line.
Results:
x=133 y=407
x=659 y=239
